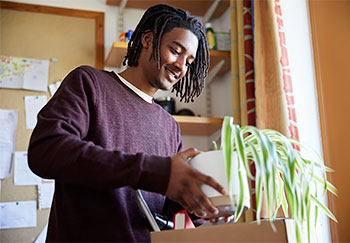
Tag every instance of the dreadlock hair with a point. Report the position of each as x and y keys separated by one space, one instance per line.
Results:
x=161 y=19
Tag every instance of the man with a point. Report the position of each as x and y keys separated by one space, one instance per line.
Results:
x=101 y=136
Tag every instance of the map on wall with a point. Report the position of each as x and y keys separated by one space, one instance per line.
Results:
x=24 y=73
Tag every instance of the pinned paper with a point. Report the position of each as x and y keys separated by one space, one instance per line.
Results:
x=23 y=176
x=53 y=87
x=24 y=73
x=45 y=193
x=33 y=104
x=17 y=214
x=8 y=125
x=42 y=236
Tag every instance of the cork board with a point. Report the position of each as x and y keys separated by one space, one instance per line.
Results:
x=39 y=35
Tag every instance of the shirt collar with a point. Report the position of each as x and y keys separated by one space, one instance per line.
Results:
x=143 y=95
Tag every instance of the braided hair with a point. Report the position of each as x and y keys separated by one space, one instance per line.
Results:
x=161 y=19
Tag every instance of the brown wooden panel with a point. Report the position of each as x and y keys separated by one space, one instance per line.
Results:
x=330 y=27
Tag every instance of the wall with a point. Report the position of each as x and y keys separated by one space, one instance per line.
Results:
x=330 y=25
x=40 y=36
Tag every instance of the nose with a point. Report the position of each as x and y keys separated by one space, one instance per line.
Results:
x=180 y=64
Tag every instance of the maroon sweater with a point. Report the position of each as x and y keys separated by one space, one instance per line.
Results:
x=100 y=142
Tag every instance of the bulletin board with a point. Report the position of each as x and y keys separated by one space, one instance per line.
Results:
x=69 y=37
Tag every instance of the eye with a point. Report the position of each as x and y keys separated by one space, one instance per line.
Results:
x=174 y=51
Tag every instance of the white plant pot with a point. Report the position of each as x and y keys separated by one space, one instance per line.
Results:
x=212 y=163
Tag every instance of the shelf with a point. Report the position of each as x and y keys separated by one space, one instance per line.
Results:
x=117 y=53
x=193 y=6
x=217 y=56
x=198 y=126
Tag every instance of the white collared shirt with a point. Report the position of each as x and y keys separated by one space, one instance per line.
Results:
x=140 y=93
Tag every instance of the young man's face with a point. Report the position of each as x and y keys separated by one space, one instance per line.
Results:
x=177 y=51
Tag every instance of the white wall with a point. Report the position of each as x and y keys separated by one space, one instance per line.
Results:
x=298 y=37
x=221 y=87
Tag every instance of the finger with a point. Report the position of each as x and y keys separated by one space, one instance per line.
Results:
x=205 y=179
x=194 y=206
x=182 y=203
x=185 y=206
x=204 y=202
x=191 y=152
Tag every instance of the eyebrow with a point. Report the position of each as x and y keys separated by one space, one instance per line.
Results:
x=182 y=47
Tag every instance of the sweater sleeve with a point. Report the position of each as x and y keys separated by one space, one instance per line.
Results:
x=59 y=150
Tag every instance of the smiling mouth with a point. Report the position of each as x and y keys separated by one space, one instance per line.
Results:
x=172 y=73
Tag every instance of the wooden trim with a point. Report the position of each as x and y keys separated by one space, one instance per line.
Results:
x=322 y=115
x=49 y=10
x=98 y=16
x=100 y=41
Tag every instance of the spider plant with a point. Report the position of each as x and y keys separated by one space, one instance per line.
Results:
x=285 y=177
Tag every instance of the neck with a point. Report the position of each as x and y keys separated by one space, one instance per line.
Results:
x=137 y=77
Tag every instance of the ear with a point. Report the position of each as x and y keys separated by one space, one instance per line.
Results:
x=147 y=39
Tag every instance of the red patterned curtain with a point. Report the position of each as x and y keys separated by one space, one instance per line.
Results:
x=249 y=61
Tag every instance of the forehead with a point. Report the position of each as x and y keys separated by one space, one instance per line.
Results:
x=183 y=36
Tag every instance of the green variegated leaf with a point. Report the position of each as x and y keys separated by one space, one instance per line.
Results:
x=283 y=175
x=215 y=145
x=323 y=207
x=226 y=143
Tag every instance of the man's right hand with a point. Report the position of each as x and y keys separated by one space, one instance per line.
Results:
x=184 y=186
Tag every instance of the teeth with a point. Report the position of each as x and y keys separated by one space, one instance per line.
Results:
x=171 y=73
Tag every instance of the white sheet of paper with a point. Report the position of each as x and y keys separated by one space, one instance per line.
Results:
x=23 y=176
x=8 y=125
x=42 y=236
x=17 y=214
x=53 y=87
x=36 y=77
x=33 y=105
x=25 y=73
x=45 y=193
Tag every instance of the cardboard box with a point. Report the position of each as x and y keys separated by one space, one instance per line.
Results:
x=240 y=232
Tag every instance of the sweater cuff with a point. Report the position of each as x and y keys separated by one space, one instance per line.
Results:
x=155 y=174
